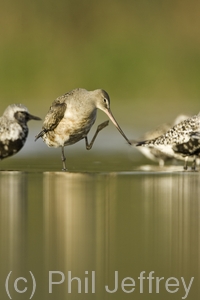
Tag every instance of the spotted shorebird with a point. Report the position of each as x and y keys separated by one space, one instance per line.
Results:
x=154 y=153
x=182 y=141
x=71 y=117
x=14 y=129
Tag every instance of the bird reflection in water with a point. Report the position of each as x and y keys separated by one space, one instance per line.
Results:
x=13 y=207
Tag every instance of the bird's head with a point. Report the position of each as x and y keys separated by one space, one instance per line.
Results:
x=19 y=113
x=103 y=103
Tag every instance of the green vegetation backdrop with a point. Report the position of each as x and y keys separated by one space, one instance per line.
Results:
x=146 y=54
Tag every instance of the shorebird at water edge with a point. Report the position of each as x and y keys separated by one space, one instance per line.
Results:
x=71 y=117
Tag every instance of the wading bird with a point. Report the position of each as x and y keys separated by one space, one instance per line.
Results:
x=71 y=117
x=154 y=153
x=181 y=141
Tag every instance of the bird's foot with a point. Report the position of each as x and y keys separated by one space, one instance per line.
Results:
x=103 y=125
x=64 y=165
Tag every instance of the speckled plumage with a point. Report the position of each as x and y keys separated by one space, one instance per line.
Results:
x=154 y=153
x=190 y=148
x=71 y=117
x=14 y=129
x=182 y=140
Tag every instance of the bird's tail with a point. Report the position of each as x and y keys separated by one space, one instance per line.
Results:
x=143 y=143
x=134 y=142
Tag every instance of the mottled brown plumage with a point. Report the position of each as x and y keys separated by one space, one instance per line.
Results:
x=53 y=117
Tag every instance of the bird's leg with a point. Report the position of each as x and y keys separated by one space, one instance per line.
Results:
x=185 y=164
x=63 y=159
x=161 y=163
x=194 y=164
x=99 y=128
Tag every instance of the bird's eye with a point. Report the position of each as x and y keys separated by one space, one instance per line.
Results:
x=105 y=100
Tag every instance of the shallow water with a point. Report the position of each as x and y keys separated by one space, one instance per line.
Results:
x=117 y=224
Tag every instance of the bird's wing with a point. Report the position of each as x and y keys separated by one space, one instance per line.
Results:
x=53 y=118
x=192 y=147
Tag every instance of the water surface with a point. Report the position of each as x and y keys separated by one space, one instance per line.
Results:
x=114 y=223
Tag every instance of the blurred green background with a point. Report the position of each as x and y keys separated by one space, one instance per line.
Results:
x=145 y=54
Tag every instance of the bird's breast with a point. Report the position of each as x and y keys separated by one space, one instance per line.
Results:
x=12 y=138
x=69 y=131
x=13 y=131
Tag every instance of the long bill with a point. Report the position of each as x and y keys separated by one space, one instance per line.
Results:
x=31 y=117
x=110 y=115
